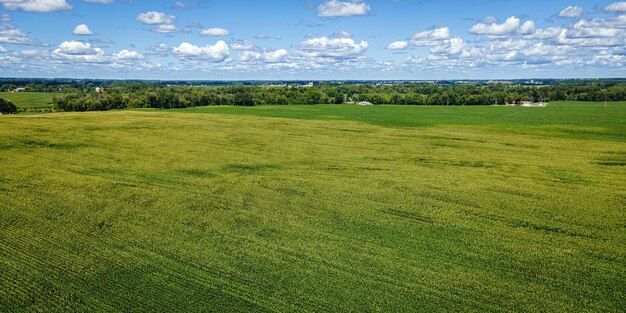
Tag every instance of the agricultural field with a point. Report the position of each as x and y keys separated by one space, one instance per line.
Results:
x=315 y=208
x=30 y=101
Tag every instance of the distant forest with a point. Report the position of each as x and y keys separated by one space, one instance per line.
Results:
x=108 y=95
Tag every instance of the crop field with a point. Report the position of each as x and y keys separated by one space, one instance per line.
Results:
x=315 y=208
x=30 y=101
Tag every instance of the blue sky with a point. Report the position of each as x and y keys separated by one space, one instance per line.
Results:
x=326 y=39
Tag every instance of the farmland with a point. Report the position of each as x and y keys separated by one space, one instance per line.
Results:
x=315 y=208
x=30 y=101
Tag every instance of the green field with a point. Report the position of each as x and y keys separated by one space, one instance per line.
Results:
x=30 y=101
x=315 y=208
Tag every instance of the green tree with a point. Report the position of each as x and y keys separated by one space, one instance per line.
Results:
x=7 y=107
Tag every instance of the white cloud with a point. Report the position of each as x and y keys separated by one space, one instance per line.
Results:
x=31 y=52
x=337 y=48
x=527 y=28
x=156 y=18
x=126 y=55
x=214 y=53
x=595 y=28
x=572 y=11
x=440 y=40
x=76 y=51
x=334 y=8
x=165 y=28
x=431 y=37
x=454 y=46
x=435 y=34
x=215 y=32
x=548 y=33
x=82 y=30
x=187 y=5
x=10 y=34
x=99 y=1
x=398 y=45
x=36 y=5
x=607 y=60
x=341 y=34
x=162 y=22
x=510 y=26
x=241 y=45
x=276 y=56
x=160 y=48
x=616 y=7
x=75 y=47
x=509 y=46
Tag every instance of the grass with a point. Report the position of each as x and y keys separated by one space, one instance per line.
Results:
x=315 y=208
x=563 y=119
x=30 y=101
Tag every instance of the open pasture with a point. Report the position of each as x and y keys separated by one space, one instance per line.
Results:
x=315 y=208
x=30 y=101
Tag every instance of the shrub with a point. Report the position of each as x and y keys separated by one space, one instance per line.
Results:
x=7 y=107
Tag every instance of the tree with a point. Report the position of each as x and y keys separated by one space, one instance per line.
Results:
x=244 y=99
x=7 y=107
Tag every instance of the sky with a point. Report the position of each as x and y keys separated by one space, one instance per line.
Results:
x=312 y=40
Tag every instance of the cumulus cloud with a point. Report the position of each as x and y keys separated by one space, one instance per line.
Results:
x=527 y=28
x=162 y=22
x=579 y=41
x=76 y=48
x=41 y=6
x=34 y=54
x=276 y=56
x=82 y=30
x=160 y=48
x=584 y=42
x=127 y=55
x=76 y=51
x=10 y=34
x=453 y=46
x=618 y=7
x=241 y=45
x=593 y=29
x=187 y=5
x=99 y=1
x=334 y=48
x=334 y=8
x=211 y=53
x=165 y=28
x=155 y=18
x=572 y=11
x=430 y=37
x=80 y=55
x=511 y=25
x=398 y=45
x=439 y=39
x=215 y=32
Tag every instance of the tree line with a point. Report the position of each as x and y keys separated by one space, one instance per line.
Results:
x=138 y=95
